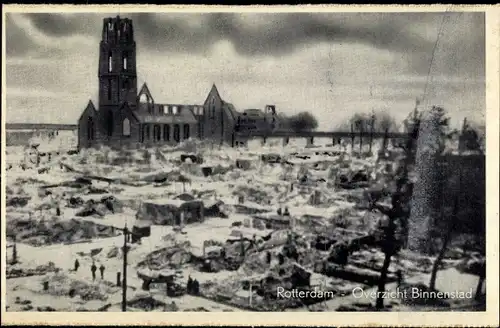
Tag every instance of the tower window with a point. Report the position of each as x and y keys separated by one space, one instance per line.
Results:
x=109 y=89
x=110 y=26
x=126 y=127
x=125 y=27
x=174 y=110
x=125 y=58
x=186 y=131
x=110 y=62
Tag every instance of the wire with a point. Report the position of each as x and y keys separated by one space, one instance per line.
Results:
x=441 y=27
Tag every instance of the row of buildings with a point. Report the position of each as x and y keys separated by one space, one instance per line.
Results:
x=128 y=117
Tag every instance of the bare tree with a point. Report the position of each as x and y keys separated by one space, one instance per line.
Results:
x=447 y=221
x=451 y=222
x=397 y=216
x=471 y=138
x=381 y=121
x=303 y=121
x=392 y=233
x=384 y=122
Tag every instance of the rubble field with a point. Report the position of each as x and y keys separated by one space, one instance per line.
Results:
x=213 y=228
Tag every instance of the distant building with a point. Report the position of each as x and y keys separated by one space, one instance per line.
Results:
x=125 y=117
x=257 y=120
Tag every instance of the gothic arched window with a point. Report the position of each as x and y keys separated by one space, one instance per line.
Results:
x=186 y=131
x=125 y=59
x=212 y=107
x=145 y=132
x=166 y=132
x=177 y=133
x=126 y=127
x=90 y=128
x=110 y=61
x=157 y=132
x=110 y=123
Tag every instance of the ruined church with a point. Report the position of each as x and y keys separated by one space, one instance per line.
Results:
x=127 y=116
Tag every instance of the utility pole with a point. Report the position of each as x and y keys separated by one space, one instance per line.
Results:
x=124 y=282
x=372 y=128
x=126 y=234
x=14 y=251
x=352 y=137
x=361 y=132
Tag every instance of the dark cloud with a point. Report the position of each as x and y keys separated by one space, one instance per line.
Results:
x=17 y=42
x=64 y=24
x=276 y=34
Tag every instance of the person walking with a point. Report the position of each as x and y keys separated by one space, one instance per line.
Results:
x=399 y=275
x=189 y=287
x=101 y=269
x=77 y=265
x=93 y=269
x=196 y=287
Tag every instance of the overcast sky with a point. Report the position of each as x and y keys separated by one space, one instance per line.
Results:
x=331 y=64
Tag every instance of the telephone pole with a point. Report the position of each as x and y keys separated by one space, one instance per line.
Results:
x=126 y=234
x=124 y=282
x=14 y=251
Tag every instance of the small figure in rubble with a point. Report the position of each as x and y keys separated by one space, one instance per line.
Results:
x=189 y=287
x=399 y=275
x=268 y=257
x=279 y=211
x=101 y=269
x=196 y=287
x=77 y=265
x=286 y=213
x=93 y=269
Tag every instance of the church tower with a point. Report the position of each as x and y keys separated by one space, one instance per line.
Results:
x=117 y=69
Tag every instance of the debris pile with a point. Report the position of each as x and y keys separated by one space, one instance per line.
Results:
x=65 y=285
x=54 y=231
x=15 y=272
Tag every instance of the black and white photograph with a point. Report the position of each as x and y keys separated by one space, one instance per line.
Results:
x=245 y=161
